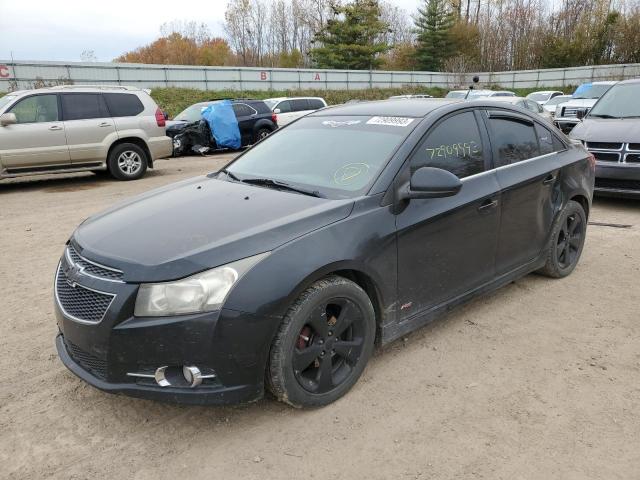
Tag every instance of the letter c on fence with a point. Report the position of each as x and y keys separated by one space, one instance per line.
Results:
x=263 y=75
x=4 y=71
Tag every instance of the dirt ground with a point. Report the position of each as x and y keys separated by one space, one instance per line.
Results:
x=540 y=380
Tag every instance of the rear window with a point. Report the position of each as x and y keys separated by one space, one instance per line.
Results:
x=123 y=104
x=242 y=110
x=513 y=141
x=82 y=106
x=261 y=107
x=315 y=104
x=300 y=105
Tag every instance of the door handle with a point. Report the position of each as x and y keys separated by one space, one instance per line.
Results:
x=55 y=127
x=488 y=204
x=104 y=124
x=549 y=179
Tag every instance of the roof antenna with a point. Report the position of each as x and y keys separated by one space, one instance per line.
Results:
x=476 y=79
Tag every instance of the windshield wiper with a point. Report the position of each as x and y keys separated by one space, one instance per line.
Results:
x=604 y=115
x=232 y=176
x=267 y=182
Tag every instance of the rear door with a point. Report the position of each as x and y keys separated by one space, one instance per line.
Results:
x=89 y=126
x=246 y=116
x=38 y=138
x=524 y=153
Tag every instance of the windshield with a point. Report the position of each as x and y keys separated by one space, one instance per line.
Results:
x=590 y=91
x=456 y=94
x=557 y=100
x=538 y=97
x=337 y=156
x=6 y=100
x=191 y=114
x=621 y=101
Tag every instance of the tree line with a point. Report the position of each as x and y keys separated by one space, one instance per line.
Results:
x=441 y=35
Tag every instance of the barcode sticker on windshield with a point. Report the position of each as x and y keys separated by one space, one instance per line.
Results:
x=390 y=121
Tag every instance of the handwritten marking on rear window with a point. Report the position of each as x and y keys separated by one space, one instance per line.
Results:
x=466 y=149
x=390 y=121
x=347 y=174
x=336 y=124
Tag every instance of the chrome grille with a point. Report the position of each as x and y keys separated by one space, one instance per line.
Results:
x=614 y=152
x=87 y=361
x=91 y=268
x=80 y=303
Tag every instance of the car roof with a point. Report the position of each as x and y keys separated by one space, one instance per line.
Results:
x=545 y=91
x=608 y=82
x=506 y=99
x=78 y=88
x=279 y=99
x=631 y=80
x=391 y=108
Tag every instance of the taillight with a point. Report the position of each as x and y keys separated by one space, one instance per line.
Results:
x=592 y=161
x=160 y=118
x=274 y=118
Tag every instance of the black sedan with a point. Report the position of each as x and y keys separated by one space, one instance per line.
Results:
x=348 y=228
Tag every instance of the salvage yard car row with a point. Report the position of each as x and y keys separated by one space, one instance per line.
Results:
x=281 y=271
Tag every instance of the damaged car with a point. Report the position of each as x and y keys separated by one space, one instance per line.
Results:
x=192 y=134
x=349 y=228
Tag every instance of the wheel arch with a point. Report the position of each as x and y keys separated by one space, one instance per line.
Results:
x=136 y=141
x=583 y=201
x=356 y=274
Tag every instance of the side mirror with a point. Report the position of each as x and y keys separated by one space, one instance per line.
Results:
x=277 y=110
x=580 y=114
x=165 y=115
x=429 y=182
x=8 y=119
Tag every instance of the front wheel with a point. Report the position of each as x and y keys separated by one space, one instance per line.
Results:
x=567 y=241
x=323 y=344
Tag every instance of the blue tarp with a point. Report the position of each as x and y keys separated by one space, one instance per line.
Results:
x=223 y=124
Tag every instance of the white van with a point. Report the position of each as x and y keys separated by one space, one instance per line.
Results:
x=289 y=109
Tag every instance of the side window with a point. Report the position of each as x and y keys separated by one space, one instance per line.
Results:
x=123 y=104
x=83 y=106
x=454 y=145
x=242 y=110
x=300 y=105
x=513 y=141
x=549 y=143
x=315 y=104
x=36 y=109
x=285 y=107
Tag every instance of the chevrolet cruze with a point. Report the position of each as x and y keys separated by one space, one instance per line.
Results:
x=346 y=229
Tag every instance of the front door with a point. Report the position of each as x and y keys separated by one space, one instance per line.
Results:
x=527 y=170
x=88 y=125
x=447 y=246
x=38 y=138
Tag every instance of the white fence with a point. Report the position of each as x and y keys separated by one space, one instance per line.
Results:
x=25 y=74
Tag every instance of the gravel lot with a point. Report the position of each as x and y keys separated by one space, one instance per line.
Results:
x=540 y=380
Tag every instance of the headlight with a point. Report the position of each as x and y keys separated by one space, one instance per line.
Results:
x=203 y=292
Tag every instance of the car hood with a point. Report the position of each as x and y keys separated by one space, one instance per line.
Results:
x=580 y=102
x=197 y=224
x=607 y=130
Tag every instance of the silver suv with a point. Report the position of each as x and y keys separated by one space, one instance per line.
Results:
x=78 y=128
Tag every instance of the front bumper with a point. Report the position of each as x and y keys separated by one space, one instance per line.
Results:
x=231 y=347
x=617 y=179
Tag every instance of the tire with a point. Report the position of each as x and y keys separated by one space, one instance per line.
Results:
x=260 y=134
x=566 y=242
x=127 y=161
x=299 y=377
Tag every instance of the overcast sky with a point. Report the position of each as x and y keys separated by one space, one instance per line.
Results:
x=53 y=30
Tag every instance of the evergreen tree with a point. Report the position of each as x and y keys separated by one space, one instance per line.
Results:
x=351 y=40
x=433 y=25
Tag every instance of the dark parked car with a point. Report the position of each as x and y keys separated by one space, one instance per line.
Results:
x=356 y=224
x=611 y=131
x=189 y=130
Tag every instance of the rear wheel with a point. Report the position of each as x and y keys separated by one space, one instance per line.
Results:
x=127 y=161
x=323 y=344
x=567 y=241
x=260 y=134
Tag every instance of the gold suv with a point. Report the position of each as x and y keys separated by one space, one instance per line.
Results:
x=78 y=128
